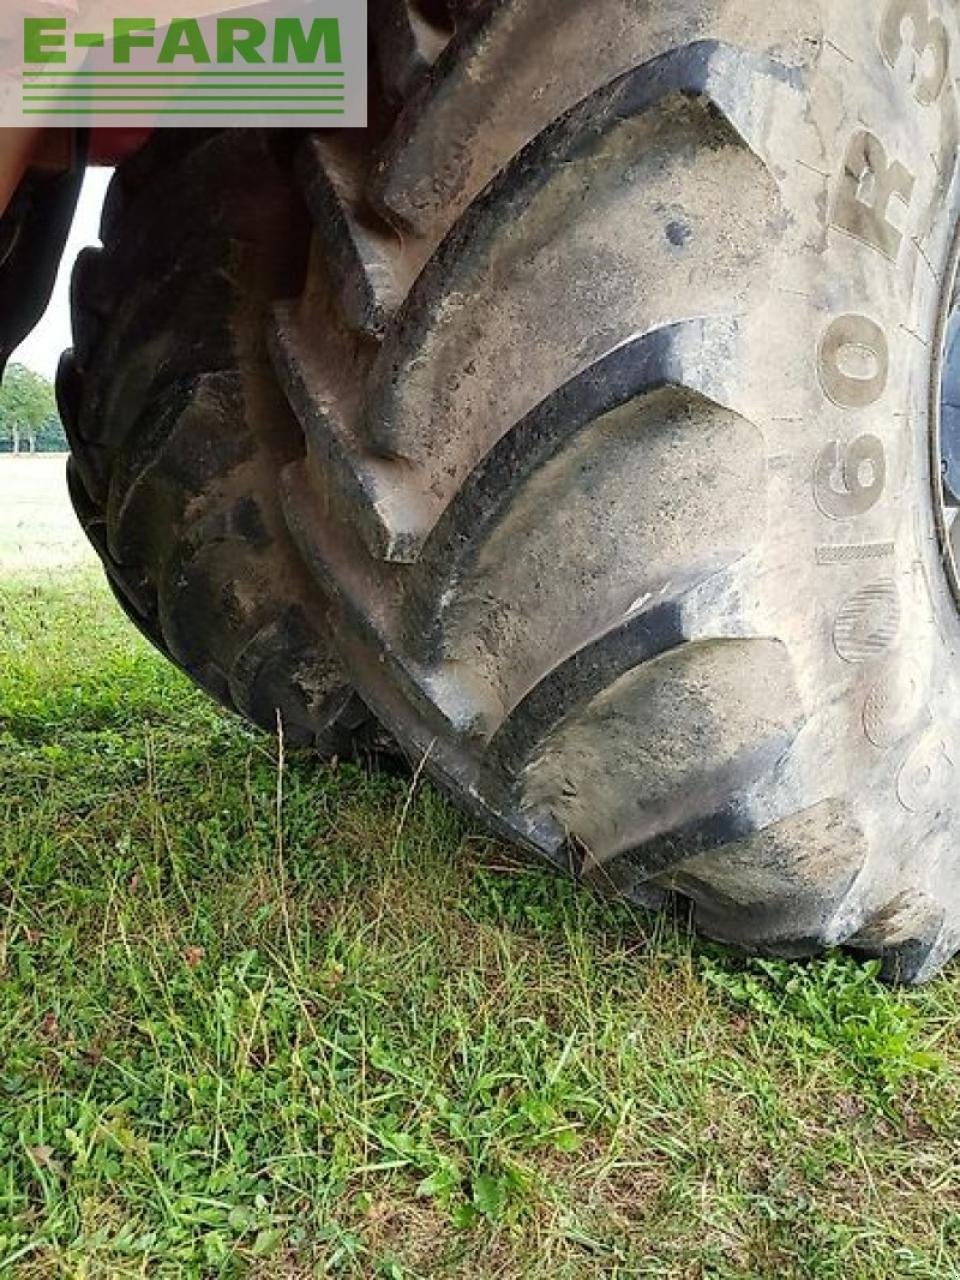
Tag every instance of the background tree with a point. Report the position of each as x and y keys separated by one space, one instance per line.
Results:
x=28 y=413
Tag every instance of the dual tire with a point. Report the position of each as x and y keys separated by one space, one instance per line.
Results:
x=578 y=425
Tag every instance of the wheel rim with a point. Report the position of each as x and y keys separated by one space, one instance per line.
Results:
x=945 y=433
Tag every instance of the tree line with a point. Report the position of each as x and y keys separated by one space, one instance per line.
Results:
x=29 y=421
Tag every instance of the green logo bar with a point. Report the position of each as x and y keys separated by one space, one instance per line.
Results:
x=300 y=62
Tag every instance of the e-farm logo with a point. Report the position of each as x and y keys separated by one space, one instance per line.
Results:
x=296 y=63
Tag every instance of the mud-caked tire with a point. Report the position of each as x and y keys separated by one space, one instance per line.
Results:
x=617 y=367
x=178 y=432
x=619 y=471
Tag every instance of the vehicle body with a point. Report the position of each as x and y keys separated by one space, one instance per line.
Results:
x=586 y=429
x=45 y=165
x=40 y=175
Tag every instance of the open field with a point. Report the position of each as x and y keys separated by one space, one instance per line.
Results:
x=37 y=526
x=266 y=1018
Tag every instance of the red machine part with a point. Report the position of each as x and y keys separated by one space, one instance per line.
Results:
x=54 y=150
x=109 y=147
x=17 y=150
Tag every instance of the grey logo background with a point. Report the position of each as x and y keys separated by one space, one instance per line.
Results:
x=299 y=64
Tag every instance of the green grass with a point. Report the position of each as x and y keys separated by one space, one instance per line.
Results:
x=294 y=1022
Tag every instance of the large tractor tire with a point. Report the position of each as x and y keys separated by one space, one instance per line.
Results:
x=179 y=434
x=617 y=365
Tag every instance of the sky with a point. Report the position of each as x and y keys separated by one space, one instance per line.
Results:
x=42 y=350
